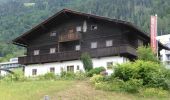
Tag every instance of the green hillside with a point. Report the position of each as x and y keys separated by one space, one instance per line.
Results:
x=18 y=16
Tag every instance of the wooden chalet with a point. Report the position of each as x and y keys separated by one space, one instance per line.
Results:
x=68 y=34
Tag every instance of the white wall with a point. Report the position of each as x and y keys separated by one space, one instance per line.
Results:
x=44 y=68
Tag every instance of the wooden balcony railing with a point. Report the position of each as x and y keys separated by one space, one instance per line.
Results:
x=73 y=55
x=69 y=37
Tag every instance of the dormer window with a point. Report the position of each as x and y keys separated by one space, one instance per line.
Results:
x=78 y=28
x=53 y=34
x=93 y=27
x=36 y=52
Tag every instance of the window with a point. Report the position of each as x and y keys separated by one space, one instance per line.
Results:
x=93 y=27
x=78 y=28
x=94 y=45
x=53 y=34
x=70 y=68
x=109 y=43
x=78 y=67
x=52 y=50
x=109 y=63
x=52 y=70
x=77 y=47
x=34 y=72
x=36 y=52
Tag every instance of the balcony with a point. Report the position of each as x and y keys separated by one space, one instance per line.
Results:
x=69 y=37
x=73 y=55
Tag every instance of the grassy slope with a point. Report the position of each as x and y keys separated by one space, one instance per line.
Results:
x=34 y=90
x=61 y=90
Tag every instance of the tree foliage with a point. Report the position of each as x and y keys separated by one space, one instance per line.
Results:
x=87 y=61
x=145 y=53
x=16 y=18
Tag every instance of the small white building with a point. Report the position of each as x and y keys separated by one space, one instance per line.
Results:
x=12 y=64
x=165 y=54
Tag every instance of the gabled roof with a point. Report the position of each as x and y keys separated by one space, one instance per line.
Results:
x=57 y=17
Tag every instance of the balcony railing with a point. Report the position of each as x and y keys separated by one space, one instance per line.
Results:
x=69 y=37
x=73 y=55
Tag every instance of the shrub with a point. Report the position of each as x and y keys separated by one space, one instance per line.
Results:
x=167 y=73
x=96 y=79
x=132 y=85
x=48 y=76
x=95 y=71
x=145 y=53
x=151 y=92
x=152 y=73
x=17 y=76
x=68 y=75
x=80 y=76
x=87 y=62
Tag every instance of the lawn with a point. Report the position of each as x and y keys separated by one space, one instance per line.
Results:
x=61 y=90
x=32 y=90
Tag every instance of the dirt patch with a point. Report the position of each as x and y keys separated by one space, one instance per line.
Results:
x=82 y=90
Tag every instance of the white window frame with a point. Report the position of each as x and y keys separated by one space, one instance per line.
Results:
x=109 y=43
x=77 y=47
x=52 y=50
x=36 y=52
x=93 y=45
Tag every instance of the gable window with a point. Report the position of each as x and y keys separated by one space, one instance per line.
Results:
x=52 y=50
x=53 y=34
x=93 y=27
x=94 y=45
x=78 y=28
x=36 y=52
x=34 y=72
x=109 y=43
x=52 y=70
x=77 y=47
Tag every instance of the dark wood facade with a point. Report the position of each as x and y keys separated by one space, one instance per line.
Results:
x=60 y=32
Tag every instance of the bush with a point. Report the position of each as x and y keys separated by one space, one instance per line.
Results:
x=68 y=75
x=87 y=62
x=48 y=76
x=151 y=92
x=96 y=79
x=152 y=74
x=95 y=71
x=132 y=85
x=80 y=76
x=17 y=76
x=145 y=53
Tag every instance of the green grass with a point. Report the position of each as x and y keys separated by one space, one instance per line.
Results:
x=62 y=90
x=32 y=90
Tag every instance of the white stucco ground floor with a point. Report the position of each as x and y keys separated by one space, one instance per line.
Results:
x=74 y=66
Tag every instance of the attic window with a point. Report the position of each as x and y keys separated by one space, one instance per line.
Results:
x=93 y=27
x=53 y=34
